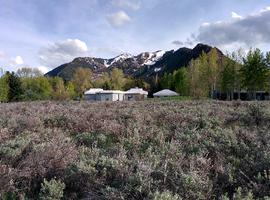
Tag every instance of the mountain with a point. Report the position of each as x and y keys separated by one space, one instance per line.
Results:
x=144 y=65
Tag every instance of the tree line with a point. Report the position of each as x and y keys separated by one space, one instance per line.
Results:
x=203 y=78
x=211 y=74
x=28 y=84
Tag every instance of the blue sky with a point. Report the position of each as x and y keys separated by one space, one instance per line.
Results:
x=47 y=33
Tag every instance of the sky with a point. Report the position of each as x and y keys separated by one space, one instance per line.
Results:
x=47 y=33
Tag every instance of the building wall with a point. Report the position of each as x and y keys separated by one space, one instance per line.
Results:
x=114 y=97
x=90 y=97
x=134 y=97
x=109 y=97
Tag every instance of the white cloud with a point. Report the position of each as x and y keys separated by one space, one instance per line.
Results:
x=250 y=30
x=18 y=60
x=132 y=4
x=43 y=69
x=2 y=55
x=10 y=61
x=205 y=24
x=236 y=16
x=265 y=9
x=118 y=19
x=61 y=52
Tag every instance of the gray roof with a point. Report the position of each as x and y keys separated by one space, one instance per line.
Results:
x=136 y=91
x=165 y=93
x=93 y=91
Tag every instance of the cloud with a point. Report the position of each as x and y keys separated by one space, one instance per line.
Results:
x=11 y=61
x=43 y=69
x=2 y=55
x=61 y=52
x=178 y=43
x=18 y=60
x=205 y=24
x=236 y=16
x=188 y=42
x=132 y=4
x=118 y=19
x=250 y=30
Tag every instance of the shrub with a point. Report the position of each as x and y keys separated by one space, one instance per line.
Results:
x=256 y=115
x=130 y=150
x=52 y=190
x=13 y=149
x=167 y=195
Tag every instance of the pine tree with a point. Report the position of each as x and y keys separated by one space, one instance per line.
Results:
x=255 y=73
x=15 y=87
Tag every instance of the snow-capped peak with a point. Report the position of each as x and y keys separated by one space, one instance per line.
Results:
x=154 y=57
x=121 y=57
x=146 y=58
x=124 y=56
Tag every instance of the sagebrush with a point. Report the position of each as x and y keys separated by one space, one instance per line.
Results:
x=135 y=150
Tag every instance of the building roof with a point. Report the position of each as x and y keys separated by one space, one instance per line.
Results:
x=165 y=93
x=111 y=92
x=93 y=91
x=136 y=91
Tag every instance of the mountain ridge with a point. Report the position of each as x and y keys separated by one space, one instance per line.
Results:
x=144 y=65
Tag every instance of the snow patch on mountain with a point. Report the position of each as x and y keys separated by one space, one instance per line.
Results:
x=106 y=63
x=154 y=57
x=121 y=57
x=109 y=62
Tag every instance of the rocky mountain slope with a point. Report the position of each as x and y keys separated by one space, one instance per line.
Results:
x=144 y=65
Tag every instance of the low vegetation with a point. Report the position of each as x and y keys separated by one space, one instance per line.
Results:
x=161 y=150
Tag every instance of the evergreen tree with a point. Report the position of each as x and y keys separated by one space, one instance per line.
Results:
x=167 y=81
x=255 y=73
x=228 y=78
x=15 y=87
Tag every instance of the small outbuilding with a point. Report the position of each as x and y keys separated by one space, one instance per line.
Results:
x=91 y=94
x=110 y=95
x=135 y=94
x=165 y=93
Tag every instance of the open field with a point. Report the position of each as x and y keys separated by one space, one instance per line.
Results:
x=135 y=150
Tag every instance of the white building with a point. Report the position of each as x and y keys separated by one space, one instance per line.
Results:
x=90 y=95
x=110 y=95
x=98 y=94
x=165 y=93
x=135 y=94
